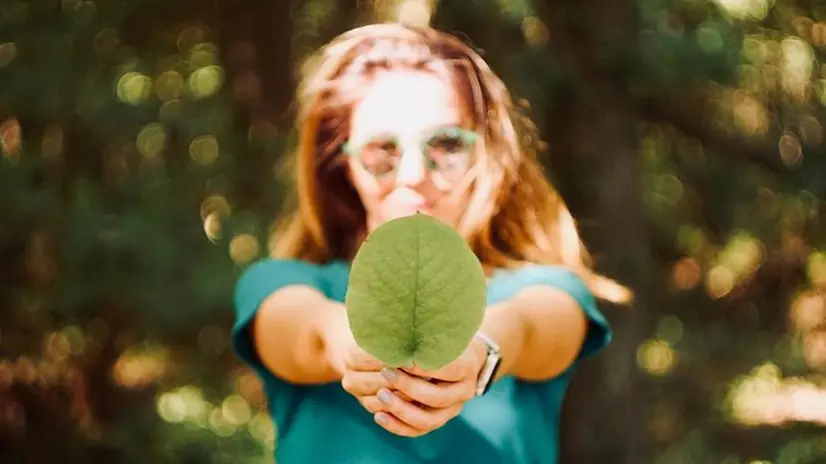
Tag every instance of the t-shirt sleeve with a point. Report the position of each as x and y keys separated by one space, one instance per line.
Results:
x=599 y=330
x=255 y=284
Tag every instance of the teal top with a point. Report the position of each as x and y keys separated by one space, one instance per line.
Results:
x=516 y=422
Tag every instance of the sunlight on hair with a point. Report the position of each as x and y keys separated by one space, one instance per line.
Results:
x=413 y=12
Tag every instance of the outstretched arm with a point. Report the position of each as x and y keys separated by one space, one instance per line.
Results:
x=288 y=334
x=540 y=331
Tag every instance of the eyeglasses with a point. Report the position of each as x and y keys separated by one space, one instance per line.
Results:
x=447 y=153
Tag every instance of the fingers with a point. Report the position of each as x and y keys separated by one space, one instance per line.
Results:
x=466 y=366
x=394 y=425
x=422 y=419
x=408 y=404
x=359 y=383
x=404 y=418
x=453 y=372
x=427 y=393
x=371 y=404
x=359 y=360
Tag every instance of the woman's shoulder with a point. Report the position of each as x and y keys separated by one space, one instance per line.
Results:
x=529 y=274
x=291 y=265
x=328 y=277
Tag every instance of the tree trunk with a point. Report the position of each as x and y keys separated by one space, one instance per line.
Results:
x=593 y=136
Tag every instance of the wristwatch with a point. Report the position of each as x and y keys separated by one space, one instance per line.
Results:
x=491 y=366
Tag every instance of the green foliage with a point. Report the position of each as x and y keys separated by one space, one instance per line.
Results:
x=139 y=146
x=416 y=294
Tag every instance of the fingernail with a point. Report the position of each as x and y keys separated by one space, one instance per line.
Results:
x=389 y=374
x=381 y=418
x=385 y=396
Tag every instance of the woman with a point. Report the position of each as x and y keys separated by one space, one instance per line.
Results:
x=394 y=120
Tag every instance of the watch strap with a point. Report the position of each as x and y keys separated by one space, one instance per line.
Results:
x=491 y=365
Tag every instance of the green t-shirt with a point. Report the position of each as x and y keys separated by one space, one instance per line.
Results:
x=516 y=422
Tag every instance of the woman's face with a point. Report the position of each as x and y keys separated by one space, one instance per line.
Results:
x=408 y=149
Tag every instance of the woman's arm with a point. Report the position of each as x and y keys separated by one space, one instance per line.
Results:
x=540 y=331
x=289 y=334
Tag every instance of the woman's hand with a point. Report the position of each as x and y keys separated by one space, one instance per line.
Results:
x=408 y=402
x=340 y=348
x=424 y=401
x=360 y=372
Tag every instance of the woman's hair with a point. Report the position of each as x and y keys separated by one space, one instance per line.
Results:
x=514 y=217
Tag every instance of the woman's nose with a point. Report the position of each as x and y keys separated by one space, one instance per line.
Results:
x=411 y=171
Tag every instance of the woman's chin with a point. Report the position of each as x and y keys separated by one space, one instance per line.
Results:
x=396 y=213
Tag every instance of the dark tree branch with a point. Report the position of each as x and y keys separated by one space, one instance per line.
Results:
x=483 y=28
x=256 y=45
x=686 y=115
x=584 y=56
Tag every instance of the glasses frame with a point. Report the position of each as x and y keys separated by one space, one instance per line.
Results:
x=467 y=136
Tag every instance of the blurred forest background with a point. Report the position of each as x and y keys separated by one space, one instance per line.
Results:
x=140 y=148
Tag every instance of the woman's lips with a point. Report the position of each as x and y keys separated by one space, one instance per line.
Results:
x=405 y=202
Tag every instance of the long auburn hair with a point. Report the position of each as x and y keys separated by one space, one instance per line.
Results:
x=514 y=218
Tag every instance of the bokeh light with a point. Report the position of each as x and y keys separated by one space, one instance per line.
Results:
x=765 y=397
x=134 y=88
x=141 y=157
x=656 y=357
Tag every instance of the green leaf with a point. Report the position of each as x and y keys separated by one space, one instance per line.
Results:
x=417 y=293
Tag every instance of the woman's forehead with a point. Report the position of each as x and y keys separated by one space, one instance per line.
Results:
x=405 y=102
